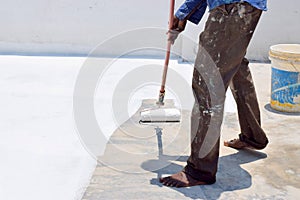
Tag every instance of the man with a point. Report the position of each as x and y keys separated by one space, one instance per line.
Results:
x=226 y=36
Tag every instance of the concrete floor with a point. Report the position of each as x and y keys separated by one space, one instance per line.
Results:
x=42 y=156
x=136 y=156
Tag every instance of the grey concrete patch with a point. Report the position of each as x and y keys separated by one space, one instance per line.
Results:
x=131 y=166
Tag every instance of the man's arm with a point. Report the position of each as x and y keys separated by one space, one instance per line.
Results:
x=192 y=10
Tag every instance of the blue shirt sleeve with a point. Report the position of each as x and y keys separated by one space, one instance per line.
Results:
x=198 y=6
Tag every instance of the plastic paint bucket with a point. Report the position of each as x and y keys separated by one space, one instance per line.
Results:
x=285 y=89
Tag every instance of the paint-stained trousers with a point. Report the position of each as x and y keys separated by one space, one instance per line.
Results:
x=226 y=36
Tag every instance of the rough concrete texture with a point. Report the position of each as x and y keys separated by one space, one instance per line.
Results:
x=272 y=173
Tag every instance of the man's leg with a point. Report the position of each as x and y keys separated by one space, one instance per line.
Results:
x=243 y=90
x=227 y=34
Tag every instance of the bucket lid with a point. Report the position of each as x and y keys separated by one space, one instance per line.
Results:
x=289 y=52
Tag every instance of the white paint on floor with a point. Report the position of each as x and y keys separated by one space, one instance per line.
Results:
x=41 y=154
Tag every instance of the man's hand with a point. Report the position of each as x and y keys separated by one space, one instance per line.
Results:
x=177 y=27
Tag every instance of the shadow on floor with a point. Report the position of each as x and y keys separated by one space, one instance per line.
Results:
x=231 y=176
x=270 y=109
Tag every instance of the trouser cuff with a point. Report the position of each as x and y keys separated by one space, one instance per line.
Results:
x=254 y=144
x=199 y=175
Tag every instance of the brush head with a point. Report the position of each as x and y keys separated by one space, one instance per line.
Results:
x=160 y=115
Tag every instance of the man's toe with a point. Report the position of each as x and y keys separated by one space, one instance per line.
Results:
x=164 y=180
x=180 y=184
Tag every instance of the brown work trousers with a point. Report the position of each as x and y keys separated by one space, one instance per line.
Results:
x=225 y=39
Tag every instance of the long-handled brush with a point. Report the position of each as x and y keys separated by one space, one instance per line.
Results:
x=160 y=114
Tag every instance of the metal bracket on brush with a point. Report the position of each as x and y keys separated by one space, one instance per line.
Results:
x=161 y=98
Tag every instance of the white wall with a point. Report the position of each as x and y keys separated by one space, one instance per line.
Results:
x=76 y=27
x=280 y=24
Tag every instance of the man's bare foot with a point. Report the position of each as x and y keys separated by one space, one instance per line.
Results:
x=181 y=179
x=237 y=144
